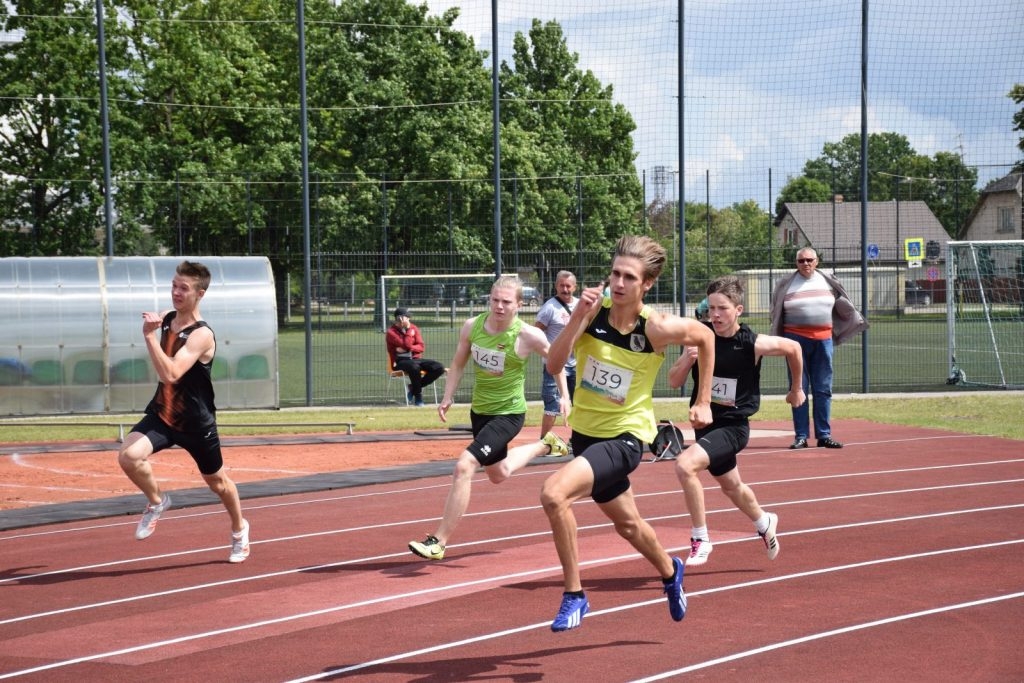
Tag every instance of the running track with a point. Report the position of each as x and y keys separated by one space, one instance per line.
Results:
x=902 y=559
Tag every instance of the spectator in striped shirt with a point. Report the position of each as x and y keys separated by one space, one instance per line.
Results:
x=813 y=309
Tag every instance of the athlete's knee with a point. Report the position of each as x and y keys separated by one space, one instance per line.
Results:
x=217 y=482
x=132 y=454
x=465 y=466
x=628 y=529
x=690 y=463
x=498 y=472
x=553 y=498
x=734 y=490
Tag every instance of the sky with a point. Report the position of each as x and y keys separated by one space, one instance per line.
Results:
x=767 y=84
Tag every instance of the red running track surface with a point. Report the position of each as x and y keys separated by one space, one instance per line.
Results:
x=901 y=559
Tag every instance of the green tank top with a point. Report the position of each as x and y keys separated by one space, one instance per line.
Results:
x=499 y=373
x=615 y=373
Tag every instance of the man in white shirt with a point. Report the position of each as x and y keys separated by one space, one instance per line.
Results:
x=551 y=318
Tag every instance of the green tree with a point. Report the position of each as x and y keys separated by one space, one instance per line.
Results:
x=896 y=171
x=51 y=196
x=568 y=144
x=1017 y=95
x=721 y=241
x=416 y=126
x=220 y=119
x=803 y=189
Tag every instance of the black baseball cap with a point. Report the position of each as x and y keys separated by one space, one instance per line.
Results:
x=399 y=312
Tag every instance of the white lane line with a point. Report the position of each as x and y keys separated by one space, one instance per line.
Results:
x=530 y=472
x=502 y=511
x=629 y=606
x=404 y=554
x=490 y=636
x=827 y=634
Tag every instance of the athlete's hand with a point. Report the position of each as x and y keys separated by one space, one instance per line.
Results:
x=150 y=322
x=700 y=415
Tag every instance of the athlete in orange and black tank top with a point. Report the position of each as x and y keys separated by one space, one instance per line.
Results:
x=188 y=404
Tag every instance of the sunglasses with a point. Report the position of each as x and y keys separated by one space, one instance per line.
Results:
x=806 y=260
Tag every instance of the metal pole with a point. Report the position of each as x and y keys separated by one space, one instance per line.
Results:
x=108 y=207
x=681 y=108
x=304 y=137
x=864 y=190
x=496 y=136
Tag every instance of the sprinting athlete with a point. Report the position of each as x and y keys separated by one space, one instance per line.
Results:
x=182 y=412
x=498 y=344
x=736 y=378
x=619 y=344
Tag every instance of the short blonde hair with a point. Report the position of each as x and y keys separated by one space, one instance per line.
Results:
x=509 y=282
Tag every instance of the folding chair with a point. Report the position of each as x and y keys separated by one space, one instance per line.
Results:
x=393 y=374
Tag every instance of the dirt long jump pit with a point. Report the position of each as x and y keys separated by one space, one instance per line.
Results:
x=52 y=482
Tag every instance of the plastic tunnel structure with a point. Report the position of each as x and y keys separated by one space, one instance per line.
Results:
x=71 y=332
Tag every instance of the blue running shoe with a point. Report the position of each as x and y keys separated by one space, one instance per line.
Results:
x=570 y=614
x=675 y=593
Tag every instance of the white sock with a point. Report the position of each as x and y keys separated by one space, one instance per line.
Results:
x=762 y=523
x=700 y=533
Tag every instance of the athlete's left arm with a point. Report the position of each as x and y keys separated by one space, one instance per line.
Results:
x=170 y=369
x=767 y=345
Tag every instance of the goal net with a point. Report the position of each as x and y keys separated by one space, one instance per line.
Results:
x=434 y=296
x=985 y=313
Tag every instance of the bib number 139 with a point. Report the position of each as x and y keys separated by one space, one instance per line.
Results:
x=610 y=381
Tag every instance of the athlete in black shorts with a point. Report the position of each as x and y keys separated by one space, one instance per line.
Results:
x=182 y=413
x=735 y=396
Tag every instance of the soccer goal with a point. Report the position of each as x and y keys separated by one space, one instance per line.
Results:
x=434 y=295
x=985 y=313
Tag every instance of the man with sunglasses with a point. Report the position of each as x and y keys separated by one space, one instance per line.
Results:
x=813 y=309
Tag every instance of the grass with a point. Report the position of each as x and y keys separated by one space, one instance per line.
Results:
x=909 y=354
x=983 y=413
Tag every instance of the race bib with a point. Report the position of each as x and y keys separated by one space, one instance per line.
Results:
x=723 y=391
x=489 y=360
x=606 y=379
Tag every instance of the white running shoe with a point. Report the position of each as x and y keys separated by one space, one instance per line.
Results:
x=240 y=544
x=699 y=551
x=771 y=543
x=147 y=525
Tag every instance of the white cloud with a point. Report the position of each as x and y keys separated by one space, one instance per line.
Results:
x=766 y=87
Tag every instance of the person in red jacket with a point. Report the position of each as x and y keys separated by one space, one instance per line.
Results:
x=405 y=348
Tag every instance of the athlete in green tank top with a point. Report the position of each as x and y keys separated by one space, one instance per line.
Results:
x=499 y=372
x=498 y=345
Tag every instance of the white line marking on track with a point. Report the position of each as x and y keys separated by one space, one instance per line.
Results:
x=344 y=563
x=481 y=638
x=445 y=485
x=827 y=634
x=645 y=603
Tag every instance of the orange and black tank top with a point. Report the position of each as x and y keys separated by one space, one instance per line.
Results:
x=188 y=404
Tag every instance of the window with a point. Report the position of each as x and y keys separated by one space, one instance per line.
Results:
x=1005 y=222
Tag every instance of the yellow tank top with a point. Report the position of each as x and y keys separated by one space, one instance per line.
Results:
x=615 y=373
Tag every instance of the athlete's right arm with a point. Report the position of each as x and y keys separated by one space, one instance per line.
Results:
x=589 y=304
